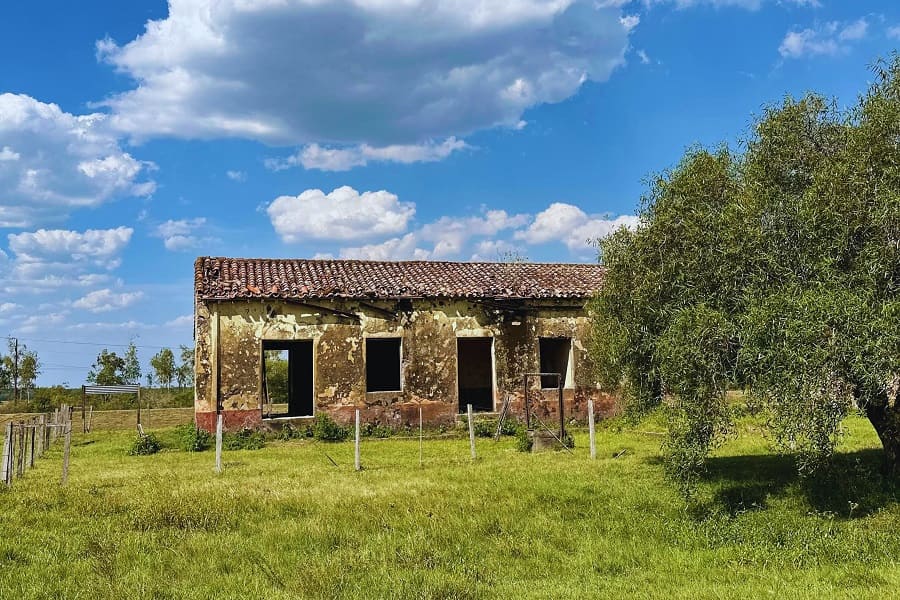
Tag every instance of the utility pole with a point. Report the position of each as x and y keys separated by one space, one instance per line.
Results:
x=15 y=370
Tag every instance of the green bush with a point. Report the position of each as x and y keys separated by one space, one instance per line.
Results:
x=145 y=445
x=523 y=440
x=192 y=439
x=485 y=428
x=326 y=430
x=488 y=427
x=245 y=439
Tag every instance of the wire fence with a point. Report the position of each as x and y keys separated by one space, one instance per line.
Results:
x=26 y=441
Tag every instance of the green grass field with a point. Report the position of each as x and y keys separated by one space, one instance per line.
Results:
x=283 y=522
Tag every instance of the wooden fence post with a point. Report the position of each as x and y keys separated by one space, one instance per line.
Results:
x=356 y=461
x=20 y=462
x=67 y=443
x=219 y=443
x=471 y=432
x=40 y=435
x=31 y=431
x=591 y=429
x=7 y=455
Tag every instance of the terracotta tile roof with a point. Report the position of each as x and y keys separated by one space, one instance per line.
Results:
x=229 y=278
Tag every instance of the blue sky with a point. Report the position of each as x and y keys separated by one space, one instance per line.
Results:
x=135 y=136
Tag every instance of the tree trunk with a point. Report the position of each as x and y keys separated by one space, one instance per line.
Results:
x=884 y=414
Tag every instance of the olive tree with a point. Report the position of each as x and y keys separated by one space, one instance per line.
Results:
x=774 y=269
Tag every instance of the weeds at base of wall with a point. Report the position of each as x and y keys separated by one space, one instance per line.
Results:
x=290 y=432
x=245 y=439
x=192 y=439
x=376 y=430
x=488 y=427
x=326 y=430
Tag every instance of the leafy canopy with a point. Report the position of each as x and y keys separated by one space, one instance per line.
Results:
x=163 y=364
x=108 y=369
x=775 y=270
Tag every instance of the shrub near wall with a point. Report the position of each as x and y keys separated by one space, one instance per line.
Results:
x=192 y=439
x=326 y=430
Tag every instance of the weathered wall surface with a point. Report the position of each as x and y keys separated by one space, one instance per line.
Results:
x=229 y=357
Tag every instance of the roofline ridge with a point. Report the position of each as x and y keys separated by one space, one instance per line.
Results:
x=385 y=262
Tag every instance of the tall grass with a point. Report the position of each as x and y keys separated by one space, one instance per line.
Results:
x=283 y=522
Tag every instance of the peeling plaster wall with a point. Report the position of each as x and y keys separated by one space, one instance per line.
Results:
x=228 y=358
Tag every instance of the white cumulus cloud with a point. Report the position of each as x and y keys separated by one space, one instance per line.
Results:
x=827 y=39
x=377 y=72
x=400 y=248
x=100 y=247
x=52 y=162
x=52 y=263
x=343 y=214
x=449 y=236
x=570 y=225
x=315 y=156
x=747 y=4
x=180 y=234
x=106 y=300
x=493 y=234
x=445 y=238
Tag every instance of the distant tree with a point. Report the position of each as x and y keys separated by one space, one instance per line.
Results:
x=277 y=376
x=5 y=376
x=776 y=270
x=5 y=371
x=29 y=369
x=163 y=363
x=184 y=374
x=132 y=371
x=24 y=373
x=108 y=369
x=149 y=380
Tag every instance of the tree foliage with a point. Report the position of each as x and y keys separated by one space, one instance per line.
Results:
x=277 y=376
x=29 y=369
x=132 y=371
x=184 y=374
x=108 y=369
x=163 y=364
x=775 y=270
x=24 y=372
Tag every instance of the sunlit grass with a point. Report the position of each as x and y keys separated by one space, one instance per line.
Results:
x=283 y=522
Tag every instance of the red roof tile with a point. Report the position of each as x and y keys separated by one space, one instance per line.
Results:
x=228 y=278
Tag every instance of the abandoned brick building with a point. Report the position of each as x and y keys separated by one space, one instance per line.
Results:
x=280 y=339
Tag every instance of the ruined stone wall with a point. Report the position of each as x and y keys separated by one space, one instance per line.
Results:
x=229 y=357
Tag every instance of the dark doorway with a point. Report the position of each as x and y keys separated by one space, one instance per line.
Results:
x=475 y=374
x=287 y=378
x=555 y=359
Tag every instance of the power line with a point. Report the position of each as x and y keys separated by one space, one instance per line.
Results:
x=89 y=343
